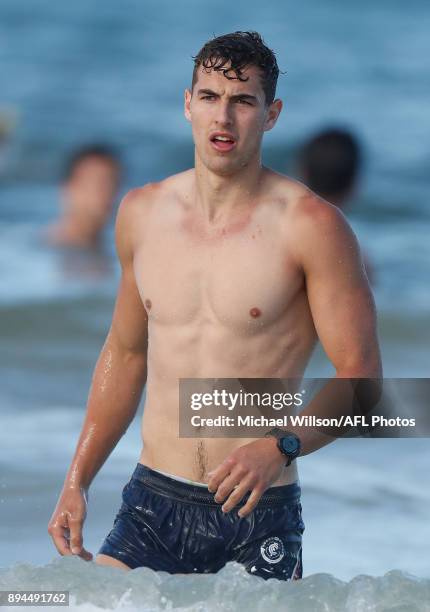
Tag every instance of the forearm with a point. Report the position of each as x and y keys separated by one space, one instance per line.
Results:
x=116 y=389
x=352 y=392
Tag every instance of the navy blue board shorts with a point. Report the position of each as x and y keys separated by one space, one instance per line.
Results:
x=176 y=527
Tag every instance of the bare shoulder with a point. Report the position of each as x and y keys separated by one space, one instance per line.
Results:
x=318 y=218
x=137 y=201
x=132 y=211
x=314 y=227
x=313 y=218
x=140 y=202
x=302 y=206
x=177 y=186
x=137 y=206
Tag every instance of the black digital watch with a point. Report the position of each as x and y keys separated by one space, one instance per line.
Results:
x=288 y=443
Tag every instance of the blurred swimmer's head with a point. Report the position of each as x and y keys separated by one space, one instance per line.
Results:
x=231 y=102
x=91 y=182
x=329 y=164
x=89 y=188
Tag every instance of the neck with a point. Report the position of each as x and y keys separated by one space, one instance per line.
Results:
x=217 y=195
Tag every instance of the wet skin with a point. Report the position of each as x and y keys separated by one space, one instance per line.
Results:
x=228 y=270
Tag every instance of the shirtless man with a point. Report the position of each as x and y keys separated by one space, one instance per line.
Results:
x=228 y=270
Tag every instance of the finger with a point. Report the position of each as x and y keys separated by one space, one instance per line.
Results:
x=218 y=475
x=253 y=500
x=60 y=538
x=85 y=554
x=228 y=485
x=238 y=493
x=75 y=526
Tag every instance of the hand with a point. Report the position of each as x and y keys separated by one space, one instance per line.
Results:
x=251 y=467
x=65 y=526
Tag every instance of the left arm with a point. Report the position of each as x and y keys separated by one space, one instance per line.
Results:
x=338 y=291
x=343 y=313
x=344 y=316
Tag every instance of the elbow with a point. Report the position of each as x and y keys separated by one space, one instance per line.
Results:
x=128 y=350
x=135 y=360
x=366 y=375
x=363 y=364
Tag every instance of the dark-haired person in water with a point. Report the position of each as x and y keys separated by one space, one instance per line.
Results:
x=228 y=270
x=89 y=188
x=329 y=163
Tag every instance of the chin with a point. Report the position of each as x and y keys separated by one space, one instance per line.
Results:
x=224 y=167
x=223 y=171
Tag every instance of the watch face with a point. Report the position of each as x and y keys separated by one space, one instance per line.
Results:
x=290 y=444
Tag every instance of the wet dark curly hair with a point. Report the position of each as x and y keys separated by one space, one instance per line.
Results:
x=240 y=49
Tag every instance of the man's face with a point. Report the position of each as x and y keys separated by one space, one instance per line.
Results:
x=92 y=188
x=219 y=109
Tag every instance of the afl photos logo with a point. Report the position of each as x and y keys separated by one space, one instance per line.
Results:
x=272 y=550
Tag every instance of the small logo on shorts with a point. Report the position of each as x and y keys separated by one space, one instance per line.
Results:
x=272 y=550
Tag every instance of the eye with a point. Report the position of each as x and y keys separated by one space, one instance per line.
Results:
x=242 y=101
x=208 y=97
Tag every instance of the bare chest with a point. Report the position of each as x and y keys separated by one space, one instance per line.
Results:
x=244 y=280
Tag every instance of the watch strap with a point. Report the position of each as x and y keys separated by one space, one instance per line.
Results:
x=278 y=433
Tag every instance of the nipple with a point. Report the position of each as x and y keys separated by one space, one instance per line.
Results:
x=148 y=304
x=255 y=312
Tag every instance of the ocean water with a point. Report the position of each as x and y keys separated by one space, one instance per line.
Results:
x=229 y=590
x=77 y=72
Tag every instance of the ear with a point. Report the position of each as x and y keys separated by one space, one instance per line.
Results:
x=272 y=114
x=187 y=103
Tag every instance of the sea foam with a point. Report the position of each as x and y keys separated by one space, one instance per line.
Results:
x=94 y=587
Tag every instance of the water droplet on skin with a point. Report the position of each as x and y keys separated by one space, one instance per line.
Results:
x=106 y=371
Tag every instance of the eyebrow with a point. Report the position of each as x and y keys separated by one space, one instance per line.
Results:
x=242 y=96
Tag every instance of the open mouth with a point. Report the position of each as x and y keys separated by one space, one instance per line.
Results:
x=222 y=142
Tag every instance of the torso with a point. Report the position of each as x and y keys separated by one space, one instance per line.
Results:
x=222 y=301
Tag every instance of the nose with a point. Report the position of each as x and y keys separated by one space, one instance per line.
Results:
x=223 y=113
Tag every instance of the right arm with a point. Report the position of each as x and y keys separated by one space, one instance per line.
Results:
x=116 y=389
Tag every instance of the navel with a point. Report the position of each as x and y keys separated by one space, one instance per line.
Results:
x=255 y=312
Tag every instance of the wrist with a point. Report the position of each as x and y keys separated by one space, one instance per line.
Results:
x=76 y=481
x=287 y=442
x=75 y=486
x=272 y=443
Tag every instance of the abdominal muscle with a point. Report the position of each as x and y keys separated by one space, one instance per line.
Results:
x=193 y=458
